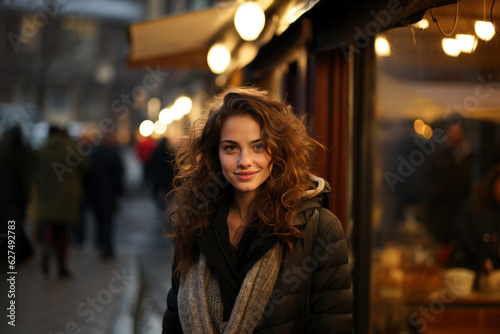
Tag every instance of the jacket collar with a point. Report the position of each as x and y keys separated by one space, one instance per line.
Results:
x=319 y=196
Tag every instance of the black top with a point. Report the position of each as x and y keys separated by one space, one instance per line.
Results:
x=236 y=262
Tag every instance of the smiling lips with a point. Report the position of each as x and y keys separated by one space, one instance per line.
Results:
x=245 y=176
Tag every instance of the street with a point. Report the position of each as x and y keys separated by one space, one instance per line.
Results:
x=124 y=295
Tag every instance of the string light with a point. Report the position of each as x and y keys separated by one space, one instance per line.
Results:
x=451 y=47
x=249 y=20
x=382 y=47
x=218 y=58
x=466 y=43
x=484 y=30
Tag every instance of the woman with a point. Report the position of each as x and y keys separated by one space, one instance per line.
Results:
x=255 y=250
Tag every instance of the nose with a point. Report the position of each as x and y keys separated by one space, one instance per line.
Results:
x=244 y=160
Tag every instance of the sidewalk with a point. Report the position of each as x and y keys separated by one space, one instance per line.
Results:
x=88 y=301
x=121 y=296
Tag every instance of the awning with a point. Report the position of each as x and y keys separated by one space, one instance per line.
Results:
x=182 y=41
x=177 y=41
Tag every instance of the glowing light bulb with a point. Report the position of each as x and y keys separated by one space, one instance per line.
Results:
x=484 y=30
x=418 y=126
x=427 y=132
x=382 y=47
x=218 y=58
x=249 y=20
x=165 y=116
x=160 y=128
x=146 y=128
x=451 y=47
x=184 y=104
x=422 y=24
x=467 y=43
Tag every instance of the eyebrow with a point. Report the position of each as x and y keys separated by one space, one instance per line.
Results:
x=227 y=141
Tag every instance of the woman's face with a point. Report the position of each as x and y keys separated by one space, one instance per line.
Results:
x=242 y=153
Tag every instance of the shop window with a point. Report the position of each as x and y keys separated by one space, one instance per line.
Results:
x=436 y=214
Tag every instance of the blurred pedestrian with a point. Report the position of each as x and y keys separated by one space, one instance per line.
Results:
x=144 y=148
x=251 y=231
x=162 y=171
x=16 y=179
x=479 y=227
x=447 y=180
x=105 y=186
x=80 y=229
x=59 y=179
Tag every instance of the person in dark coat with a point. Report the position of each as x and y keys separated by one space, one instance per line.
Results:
x=447 y=179
x=479 y=227
x=162 y=171
x=104 y=186
x=16 y=180
x=144 y=148
x=60 y=190
x=255 y=249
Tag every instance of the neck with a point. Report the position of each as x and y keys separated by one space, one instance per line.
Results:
x=241 y=204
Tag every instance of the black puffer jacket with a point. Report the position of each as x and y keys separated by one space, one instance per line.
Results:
x=312 y=293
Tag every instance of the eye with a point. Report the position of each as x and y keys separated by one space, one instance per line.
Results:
x=230 y=148
x=259 y=147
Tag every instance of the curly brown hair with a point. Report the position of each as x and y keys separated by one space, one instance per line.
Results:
x=200 y=186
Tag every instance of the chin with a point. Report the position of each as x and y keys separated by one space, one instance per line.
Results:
x=244 y=188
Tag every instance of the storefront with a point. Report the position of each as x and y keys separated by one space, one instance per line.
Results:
x=436 y=137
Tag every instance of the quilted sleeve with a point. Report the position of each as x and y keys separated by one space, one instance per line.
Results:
x=331 y=299
x=171 y=321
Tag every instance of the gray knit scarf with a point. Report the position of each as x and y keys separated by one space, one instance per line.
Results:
x=200 y=301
